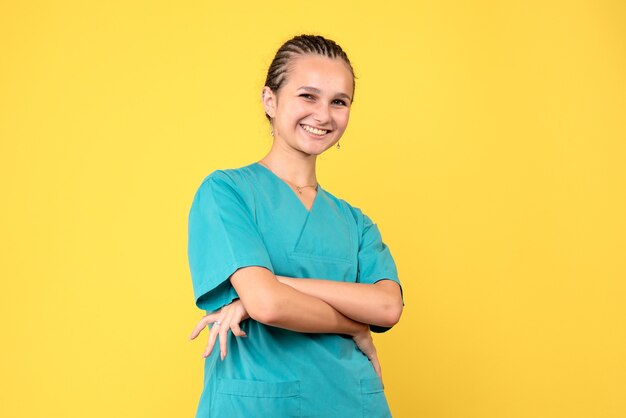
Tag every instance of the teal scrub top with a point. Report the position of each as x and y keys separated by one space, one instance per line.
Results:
x=248 y=216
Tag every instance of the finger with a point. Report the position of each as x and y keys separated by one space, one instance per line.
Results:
x=203 y=323
x=373 y=356
x=378 y=372
x=232 y=320
x=223 y=340
x=236 y=329
x=211 y=341
x=376 y=364
x=377 y=367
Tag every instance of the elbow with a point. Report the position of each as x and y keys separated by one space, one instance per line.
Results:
x=391 y=303
x=397 y=313
x=391 y=311
x=265 y=316
x=392 y=315
x=265 y=310
x=259 y=291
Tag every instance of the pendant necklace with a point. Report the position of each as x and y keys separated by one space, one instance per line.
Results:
x=298 y=188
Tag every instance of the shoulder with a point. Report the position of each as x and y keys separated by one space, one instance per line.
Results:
x=233 y=176
x=227 y=188
x=237 y=180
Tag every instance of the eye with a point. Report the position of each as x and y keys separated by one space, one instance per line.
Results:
x=340 y=102
x=307 y=96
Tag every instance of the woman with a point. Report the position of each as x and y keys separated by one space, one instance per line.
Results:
x=293 y=276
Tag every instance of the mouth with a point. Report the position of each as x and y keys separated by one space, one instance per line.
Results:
x=316 y=132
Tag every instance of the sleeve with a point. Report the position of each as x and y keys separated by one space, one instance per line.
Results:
x=375 y=261
x=222 y=237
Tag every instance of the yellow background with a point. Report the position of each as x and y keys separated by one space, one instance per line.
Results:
x=487 y=140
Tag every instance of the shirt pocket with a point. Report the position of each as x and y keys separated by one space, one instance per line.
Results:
x=248 y=398
x=373 y=399
x=303 y=265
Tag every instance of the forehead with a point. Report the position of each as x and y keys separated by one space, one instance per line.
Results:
x=320 y=72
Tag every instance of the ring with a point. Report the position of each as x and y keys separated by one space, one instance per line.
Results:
x=217 y=323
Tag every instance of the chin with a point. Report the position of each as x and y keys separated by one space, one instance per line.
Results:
x=314 y=150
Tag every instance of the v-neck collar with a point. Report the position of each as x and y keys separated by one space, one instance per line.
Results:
x=293 y=192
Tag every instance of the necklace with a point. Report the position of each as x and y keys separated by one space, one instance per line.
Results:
x=298 y=188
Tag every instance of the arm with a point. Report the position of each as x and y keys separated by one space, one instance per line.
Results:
x=273 y=303
x=263 y=298
x=377 y=304
x=232 y=314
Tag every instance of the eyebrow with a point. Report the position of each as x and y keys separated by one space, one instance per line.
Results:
x=318 y=91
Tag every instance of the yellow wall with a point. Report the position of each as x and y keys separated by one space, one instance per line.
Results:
x=487 y=140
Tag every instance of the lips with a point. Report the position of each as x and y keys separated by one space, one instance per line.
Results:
x=314 y=131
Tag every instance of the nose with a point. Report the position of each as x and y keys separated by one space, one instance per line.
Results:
x=322 y=113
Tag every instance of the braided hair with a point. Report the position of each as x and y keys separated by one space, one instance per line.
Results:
x=301 y=45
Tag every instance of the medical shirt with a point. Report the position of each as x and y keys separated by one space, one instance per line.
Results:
x=248 y=216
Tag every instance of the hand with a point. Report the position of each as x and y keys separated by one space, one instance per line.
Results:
x=229 y=317
x=363 y=340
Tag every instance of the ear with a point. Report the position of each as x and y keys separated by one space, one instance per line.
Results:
x=269 y=101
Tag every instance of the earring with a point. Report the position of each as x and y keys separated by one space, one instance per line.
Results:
x=338 y=146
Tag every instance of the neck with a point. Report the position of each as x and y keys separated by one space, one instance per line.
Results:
x=298 y=168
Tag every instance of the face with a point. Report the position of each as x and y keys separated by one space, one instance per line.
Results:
x=311 y=109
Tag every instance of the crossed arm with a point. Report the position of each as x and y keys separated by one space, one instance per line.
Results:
x=376 y=304
x=306 y=305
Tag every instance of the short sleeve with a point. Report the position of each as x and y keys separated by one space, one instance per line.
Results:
x=223 y=237
x=375 y=261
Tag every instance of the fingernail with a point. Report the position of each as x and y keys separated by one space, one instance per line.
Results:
x=222 y=355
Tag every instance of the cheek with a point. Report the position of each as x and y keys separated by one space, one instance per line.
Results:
x=293 y=113
x=342 y=119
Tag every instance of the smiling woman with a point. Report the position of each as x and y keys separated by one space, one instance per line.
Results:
x=301 y=274
x=313 y=102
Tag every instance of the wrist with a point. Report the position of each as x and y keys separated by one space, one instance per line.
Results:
x=244 y=311
x=358 y=328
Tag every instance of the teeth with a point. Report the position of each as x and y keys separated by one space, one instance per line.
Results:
x=314 y=130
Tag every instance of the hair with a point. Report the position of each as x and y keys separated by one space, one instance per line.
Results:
x=301 y=45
